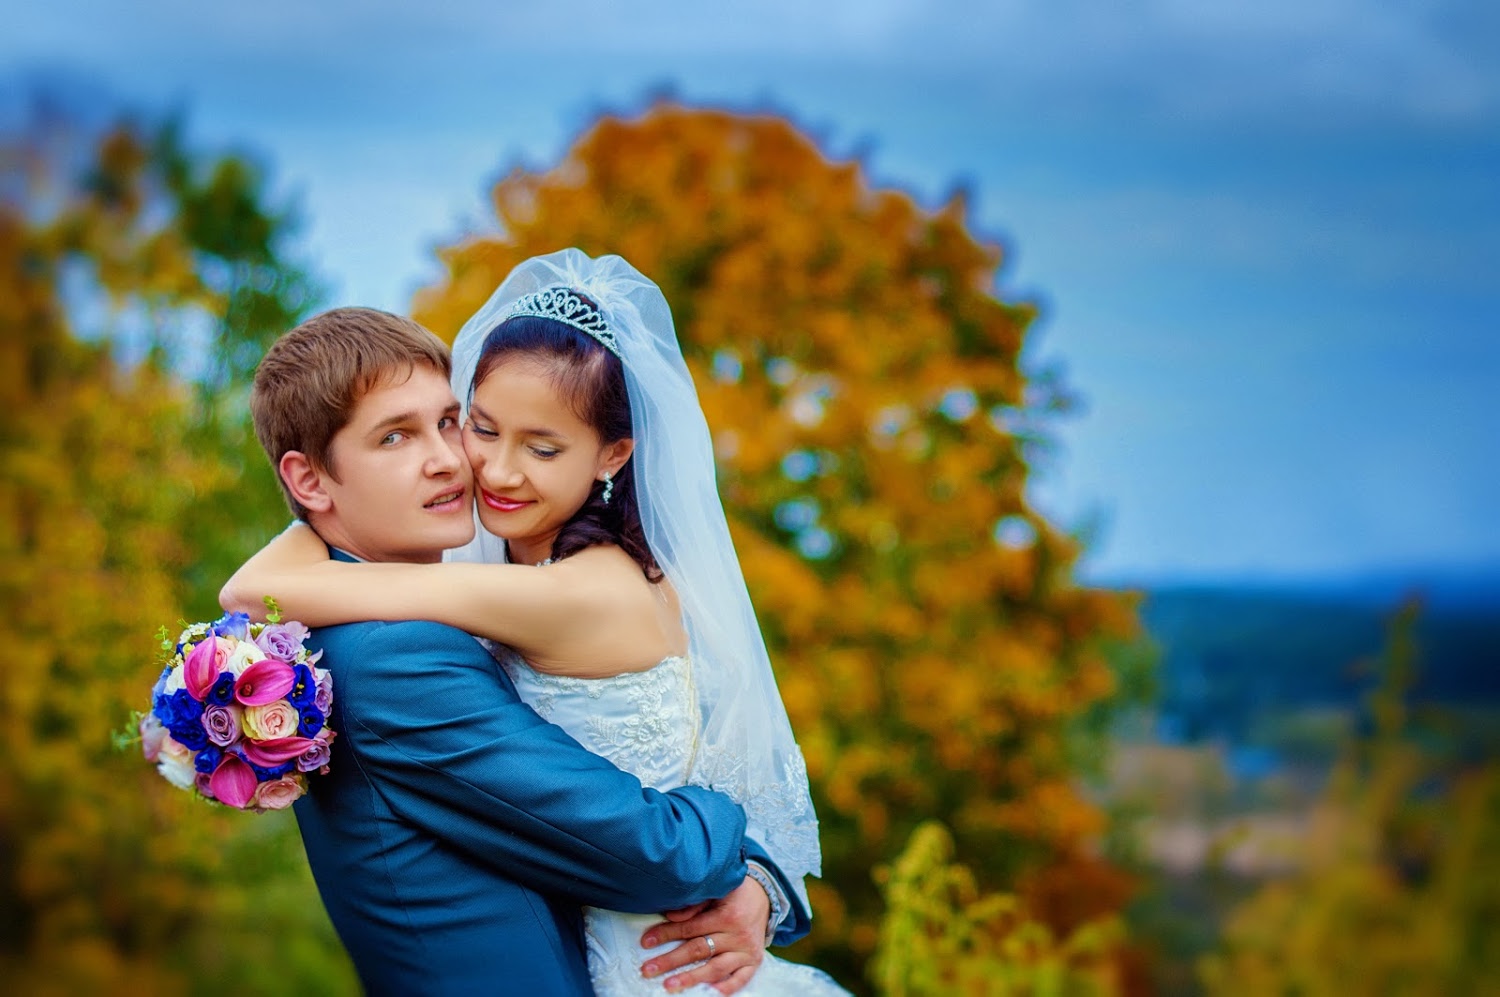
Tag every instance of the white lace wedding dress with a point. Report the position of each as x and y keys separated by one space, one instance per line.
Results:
x=646 y=723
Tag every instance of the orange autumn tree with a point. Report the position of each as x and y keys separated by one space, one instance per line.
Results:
x=872 y=420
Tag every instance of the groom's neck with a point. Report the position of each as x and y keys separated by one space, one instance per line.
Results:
x=336 y=536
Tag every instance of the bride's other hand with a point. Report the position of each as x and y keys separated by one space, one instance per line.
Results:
x=737 y=924
x=295 y=547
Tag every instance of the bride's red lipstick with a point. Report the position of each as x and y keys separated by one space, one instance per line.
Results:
x=501 y=504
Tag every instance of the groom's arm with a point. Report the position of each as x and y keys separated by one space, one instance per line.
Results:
x=453 y=749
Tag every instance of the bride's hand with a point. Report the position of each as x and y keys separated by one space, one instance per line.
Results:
x=737 y=924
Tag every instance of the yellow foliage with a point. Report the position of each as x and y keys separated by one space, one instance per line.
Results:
x=1362 y=917
x=111 y=881
x=942 y=935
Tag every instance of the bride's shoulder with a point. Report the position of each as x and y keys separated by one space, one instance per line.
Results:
x=636 y=609
x=607 y=565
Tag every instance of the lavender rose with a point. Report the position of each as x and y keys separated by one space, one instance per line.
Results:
x=153 y=735
x=316 y=757
x=324 y=699
x=201 y=781
x=223 y=724
x=282 y=641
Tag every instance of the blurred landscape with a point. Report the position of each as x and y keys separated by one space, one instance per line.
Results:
x=1259 y=690
x=1034 y=775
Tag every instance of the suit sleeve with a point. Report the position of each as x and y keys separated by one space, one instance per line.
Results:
x=452 y=748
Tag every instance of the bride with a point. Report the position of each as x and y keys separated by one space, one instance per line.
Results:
x=603 y=573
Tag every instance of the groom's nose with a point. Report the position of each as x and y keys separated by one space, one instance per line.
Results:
x=446 y=458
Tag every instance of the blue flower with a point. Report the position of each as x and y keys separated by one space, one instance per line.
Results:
x=182 y=715
x=222 y=693
x=236 y=625
x=304 y=688
x=275 y=772
x=190 y=735
x=208 y=758
x=310 y=721
x=178 y=708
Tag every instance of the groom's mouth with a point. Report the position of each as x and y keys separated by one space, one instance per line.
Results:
x=447 y=502
x=500 y=504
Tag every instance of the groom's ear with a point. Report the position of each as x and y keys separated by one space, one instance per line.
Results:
x=304 y=481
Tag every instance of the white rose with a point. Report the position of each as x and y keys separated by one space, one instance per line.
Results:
x=175 y=763
x=175 y=680
x=243 y=656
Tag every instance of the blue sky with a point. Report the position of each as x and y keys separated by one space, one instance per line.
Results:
x=1264 y=234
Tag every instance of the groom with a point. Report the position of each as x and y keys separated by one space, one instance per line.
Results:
x=457 y=833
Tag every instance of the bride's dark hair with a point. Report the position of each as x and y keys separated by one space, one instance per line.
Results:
x=591 y=380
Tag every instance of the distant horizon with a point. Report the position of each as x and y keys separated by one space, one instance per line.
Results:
x=1477 y=578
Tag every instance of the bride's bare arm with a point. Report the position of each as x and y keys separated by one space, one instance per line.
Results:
x=534 y=610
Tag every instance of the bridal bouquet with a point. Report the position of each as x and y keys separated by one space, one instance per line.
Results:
x=240 y=712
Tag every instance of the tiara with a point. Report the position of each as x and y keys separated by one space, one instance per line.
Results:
x=562 y=304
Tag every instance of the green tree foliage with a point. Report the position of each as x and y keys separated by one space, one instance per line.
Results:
x=874 y=423
x=123 y=257
x=1398 y=891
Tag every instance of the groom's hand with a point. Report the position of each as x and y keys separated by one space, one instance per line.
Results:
x=737 y=925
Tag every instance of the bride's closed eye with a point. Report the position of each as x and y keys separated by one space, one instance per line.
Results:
x=478 y=430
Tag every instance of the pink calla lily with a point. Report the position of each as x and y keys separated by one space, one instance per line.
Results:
x=270 y=753
x=233 y=782
x=201 y=669
x=264 y=682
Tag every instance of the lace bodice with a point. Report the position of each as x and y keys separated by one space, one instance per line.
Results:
x=645 y=722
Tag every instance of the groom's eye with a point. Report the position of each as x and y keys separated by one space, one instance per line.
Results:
x=391 y=438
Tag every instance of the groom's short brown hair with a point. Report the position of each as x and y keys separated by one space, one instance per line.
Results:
x=310 y=380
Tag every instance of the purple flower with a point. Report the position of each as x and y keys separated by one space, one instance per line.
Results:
x=223 y=723
x=324 y=699
x=202 y=782
x=282 y=641
x=152 y=736
x=317 y=756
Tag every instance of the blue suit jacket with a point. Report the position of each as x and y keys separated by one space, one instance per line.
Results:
x=457 y=832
